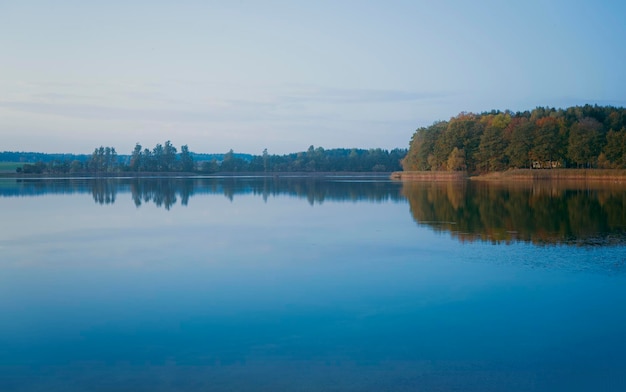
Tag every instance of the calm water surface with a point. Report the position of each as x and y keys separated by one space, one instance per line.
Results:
x=340 y=284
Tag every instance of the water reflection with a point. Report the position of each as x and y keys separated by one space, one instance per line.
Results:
x=162 y=192
x=541 y=213
x=166 y=192
x=104 y=192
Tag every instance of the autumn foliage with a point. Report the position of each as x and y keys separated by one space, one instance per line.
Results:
x=581 y=137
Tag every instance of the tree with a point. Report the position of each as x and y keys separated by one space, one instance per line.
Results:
x=147 y=161
x=456 y=160
x=615 y=148
x=490 y=156
x=135 y=159
x=463 y=133
x=584 y=142
x=103 y=160
x=229 y=163
x=521 y=136
x=209 y=166
x=421 y=149
x=76 y=166
x=169 y=157
x=186 y=160
x=266 y=160
x=547 y=141
x=158 y=157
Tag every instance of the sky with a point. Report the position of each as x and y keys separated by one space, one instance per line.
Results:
x=284 y=75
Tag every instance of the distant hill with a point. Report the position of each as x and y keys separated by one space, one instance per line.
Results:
x=200 y=157
x=32 y=157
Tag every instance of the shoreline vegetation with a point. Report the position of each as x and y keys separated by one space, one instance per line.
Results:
x=518 y=175
x=580 y=137
x=165 y=159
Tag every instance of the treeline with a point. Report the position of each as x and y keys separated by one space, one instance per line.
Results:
x=32 y=157
x=581 y=136
x=165 y=158
x=105 y=160
x=316 y=160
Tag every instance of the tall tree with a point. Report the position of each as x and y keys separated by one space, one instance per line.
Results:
x=135 y=159
x=147 y=161
x=548 y=141
x=158 y=157
x=169 y=157
x=521 y=132
x=186 y=160
x=490 y=156
x=266 y=160
x=456 y=160
x=615 y=148
x=584 y=142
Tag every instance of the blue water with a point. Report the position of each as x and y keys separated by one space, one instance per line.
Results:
x=268 y=292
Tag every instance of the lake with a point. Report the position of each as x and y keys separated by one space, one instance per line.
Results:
x=311 y=284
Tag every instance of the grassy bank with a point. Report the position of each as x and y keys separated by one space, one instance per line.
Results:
x=596 y=175
x=518 y=175
x=429 y=176
x=10 y=166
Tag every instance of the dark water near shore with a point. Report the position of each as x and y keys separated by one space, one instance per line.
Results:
x=346 y=284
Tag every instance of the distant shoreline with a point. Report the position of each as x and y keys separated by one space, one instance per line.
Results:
x=517 y=175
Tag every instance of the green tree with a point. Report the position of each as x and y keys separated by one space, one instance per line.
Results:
x=584 y=142
x=490 y=156
x=266 y=160
x=209 y=166
x=169 y=157
x=422 y=148
x=456 y=160
x=463 y=133
x=135 y=159
x=76 y=166
x=102 y=160
x=186 y=160
x=548 y=141
x=158 y=158
x=521 y=136
x=615 y=148
x=147 y=162
x=232 y=163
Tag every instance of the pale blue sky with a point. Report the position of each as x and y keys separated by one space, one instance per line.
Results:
x=283 y=75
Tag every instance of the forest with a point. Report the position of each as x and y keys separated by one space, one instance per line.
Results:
x=577 y=137
x=165 y=158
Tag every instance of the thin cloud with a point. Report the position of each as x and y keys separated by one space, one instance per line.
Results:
x=101 y=112
x=356 y=96
x=66 y=105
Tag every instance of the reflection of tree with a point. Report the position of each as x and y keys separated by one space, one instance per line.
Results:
x=161 y=191
x=104 y=191
x=542 y=213
x=167 y=191
x=42 y=186
x=315 y=189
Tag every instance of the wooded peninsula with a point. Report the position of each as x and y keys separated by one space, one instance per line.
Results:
x=544 y=138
